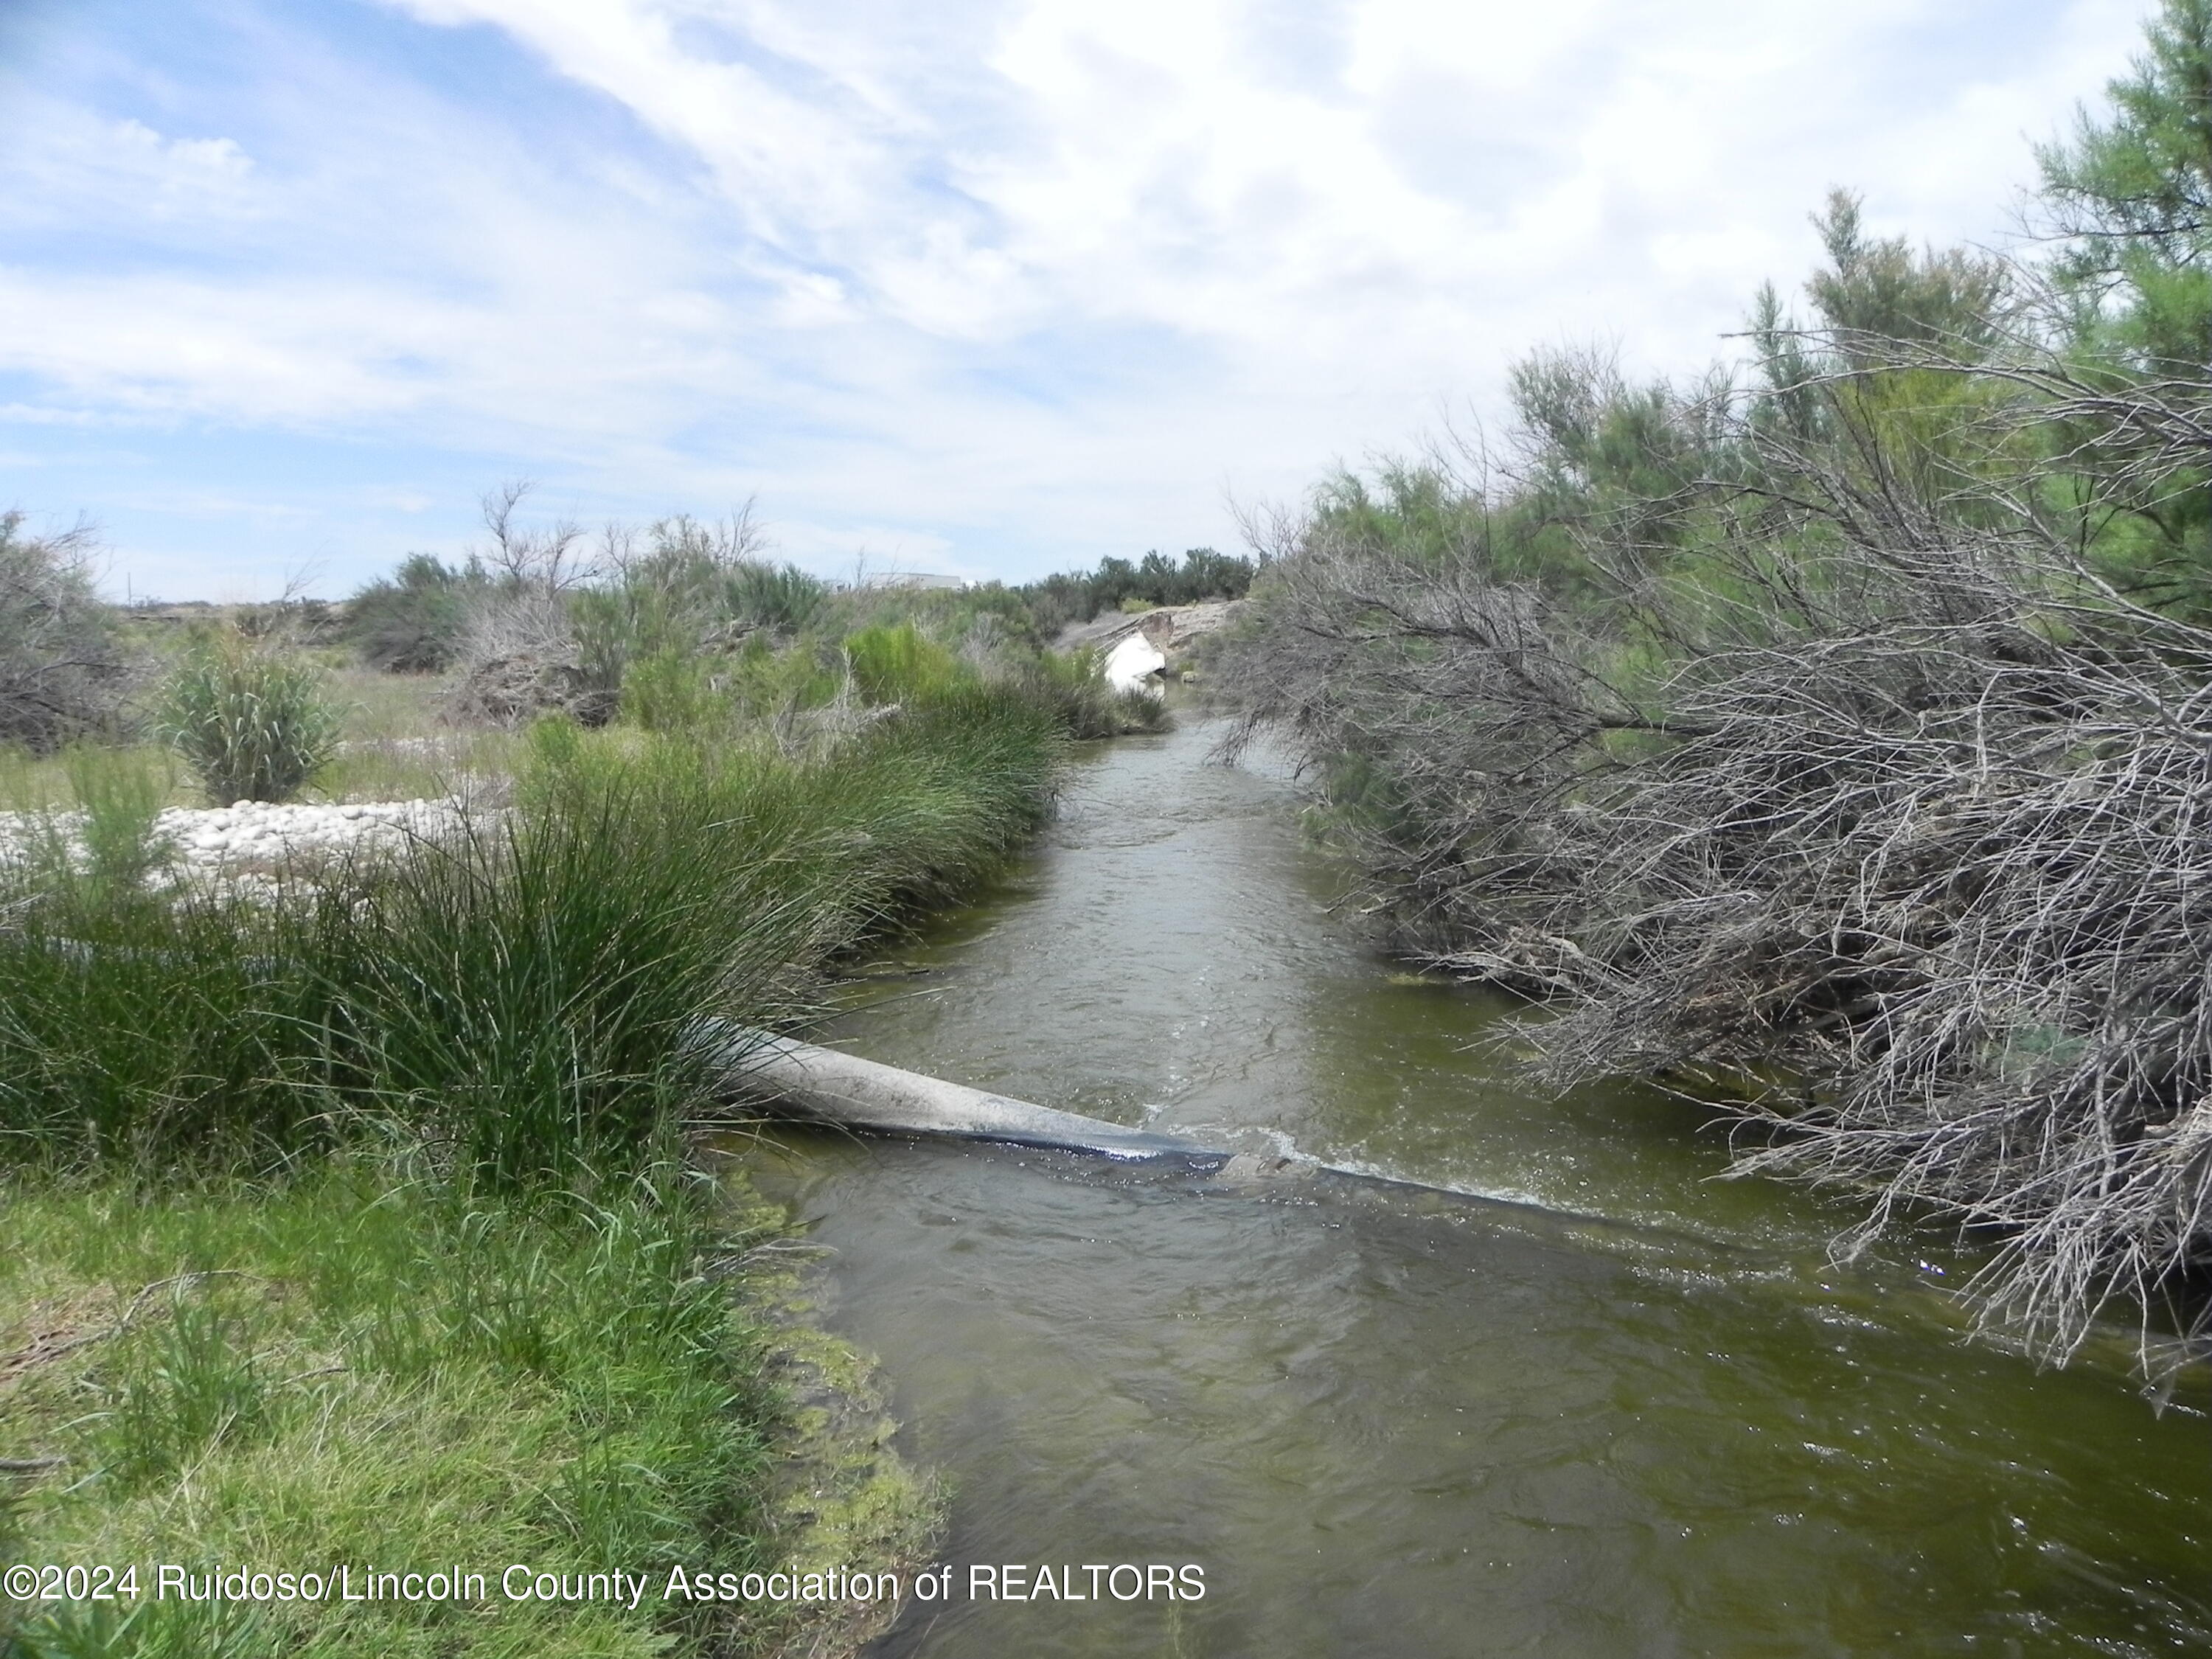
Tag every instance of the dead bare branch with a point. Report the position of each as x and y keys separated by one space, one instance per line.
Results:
x=1844 y=774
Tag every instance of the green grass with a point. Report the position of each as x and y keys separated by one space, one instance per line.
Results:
x=518 y=997
x=391 y=746
x=367 y=1193
x=353 y=1368
x=41 y=783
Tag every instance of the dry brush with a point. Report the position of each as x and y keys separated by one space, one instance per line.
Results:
x=1858 y=800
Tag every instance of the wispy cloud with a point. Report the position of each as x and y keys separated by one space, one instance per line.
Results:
x=999 y=290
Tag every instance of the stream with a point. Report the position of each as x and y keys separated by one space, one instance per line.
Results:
x=1574 y=1396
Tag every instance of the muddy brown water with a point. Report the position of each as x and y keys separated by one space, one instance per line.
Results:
x=1587 y=1399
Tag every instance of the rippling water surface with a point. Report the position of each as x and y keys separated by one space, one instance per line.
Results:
x=1586 y=1400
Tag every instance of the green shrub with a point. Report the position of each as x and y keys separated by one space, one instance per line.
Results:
x=106 y=849
x=764 y=681
x=412 y=621
x=693 y=593
x=897 y=663
x=671 y=691
x=779 y=597
x=120 y=796
x=251 y=720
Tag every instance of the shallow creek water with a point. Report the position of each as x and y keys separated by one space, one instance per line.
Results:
x=1589 y=1400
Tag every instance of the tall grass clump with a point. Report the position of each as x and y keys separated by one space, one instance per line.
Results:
x=1072 y=685
x=523 y=996
x=526 y=993
x=251 y=720
x=932 y=802
x=134 y=1033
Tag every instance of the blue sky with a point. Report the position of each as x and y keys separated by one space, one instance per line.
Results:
x=986 y=290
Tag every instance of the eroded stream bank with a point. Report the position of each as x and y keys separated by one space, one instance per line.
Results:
x=1632 y=1411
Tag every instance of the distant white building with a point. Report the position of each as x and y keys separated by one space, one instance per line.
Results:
x=911 y=580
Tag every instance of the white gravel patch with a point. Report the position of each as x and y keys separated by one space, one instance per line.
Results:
x=251 y=840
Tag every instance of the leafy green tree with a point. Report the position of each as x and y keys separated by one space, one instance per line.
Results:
x=2131 y=196
x=1605 y=462
x=1157 y=580
x=1053 y=602
x=1877 y=291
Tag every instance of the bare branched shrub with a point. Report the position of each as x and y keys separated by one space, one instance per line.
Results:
x=554 y=628
x=519 y=654
x=544 y=558
x=519 y=658
x=61 y=673
x=1845 y=766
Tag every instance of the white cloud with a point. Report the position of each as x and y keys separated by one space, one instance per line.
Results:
x=79 y=156
x=1496 y=170
x=932 y=278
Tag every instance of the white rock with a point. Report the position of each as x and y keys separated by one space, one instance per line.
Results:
x=1132 y=665
x=211 y=843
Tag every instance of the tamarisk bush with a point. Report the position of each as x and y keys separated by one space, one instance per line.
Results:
x=1813 y=759
x=61 y=675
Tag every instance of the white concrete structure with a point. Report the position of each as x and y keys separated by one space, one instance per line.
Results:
x=824 y=1086
x=1135 y=665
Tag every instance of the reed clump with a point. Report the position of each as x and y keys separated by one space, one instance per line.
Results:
x=250 y=717
x=517 y=993
x=353 y=1222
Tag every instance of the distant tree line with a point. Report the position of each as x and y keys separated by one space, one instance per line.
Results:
x=682 y=584
x=1155 y=580
x=686 y=622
